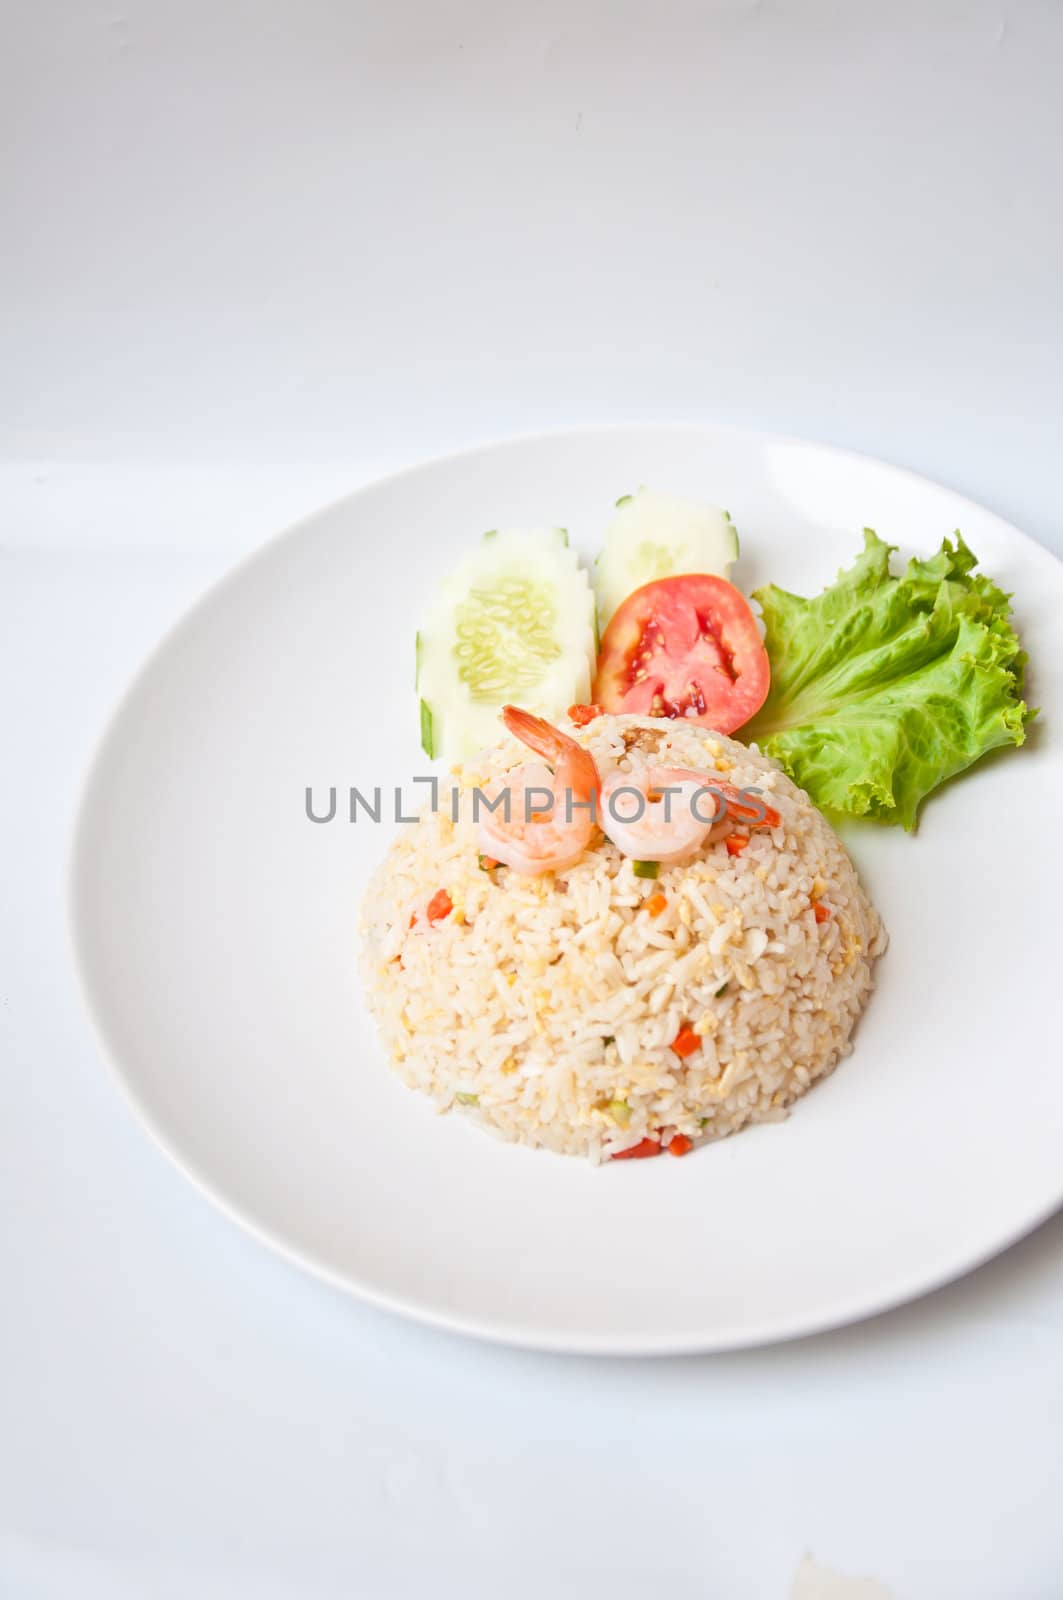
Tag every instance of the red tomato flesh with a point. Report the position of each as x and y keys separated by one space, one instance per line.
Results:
x=684 y=647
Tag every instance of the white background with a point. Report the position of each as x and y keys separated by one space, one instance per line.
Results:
x=253 y=254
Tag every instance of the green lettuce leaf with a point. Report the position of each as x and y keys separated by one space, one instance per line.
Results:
x=884 y=687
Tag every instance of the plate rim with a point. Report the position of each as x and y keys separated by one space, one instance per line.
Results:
x=904 y=1290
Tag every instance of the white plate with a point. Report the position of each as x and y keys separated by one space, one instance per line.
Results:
x=215 y=931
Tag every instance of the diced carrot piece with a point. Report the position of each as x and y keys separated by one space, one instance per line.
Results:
x=656 y=904
x=685 y=1043
x=639 y=1152
x=581 y=715
x=439 y=906
x=820 y=911
x=736 y=843
x=680 y=1145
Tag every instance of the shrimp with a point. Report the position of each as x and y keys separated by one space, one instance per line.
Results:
x=558 y=830
x=752 y=813
x=663 y=813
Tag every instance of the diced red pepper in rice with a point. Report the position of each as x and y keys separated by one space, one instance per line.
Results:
x=685 y=1043
x=680 y=1145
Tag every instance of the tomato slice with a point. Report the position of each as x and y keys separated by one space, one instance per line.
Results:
x=684 y=647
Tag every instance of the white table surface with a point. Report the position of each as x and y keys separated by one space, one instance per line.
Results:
x=262 y=254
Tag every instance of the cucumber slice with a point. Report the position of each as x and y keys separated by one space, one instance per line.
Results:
x=513 y=622
x=655 y=535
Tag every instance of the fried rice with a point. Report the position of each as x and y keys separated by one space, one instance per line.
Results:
x=547 y=1009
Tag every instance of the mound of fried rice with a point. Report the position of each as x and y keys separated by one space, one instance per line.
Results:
x=547 y=1008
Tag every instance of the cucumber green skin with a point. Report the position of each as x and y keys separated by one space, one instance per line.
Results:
x=427 y=730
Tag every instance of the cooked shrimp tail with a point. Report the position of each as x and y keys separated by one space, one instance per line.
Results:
x=553 y=745
x=745 y=805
